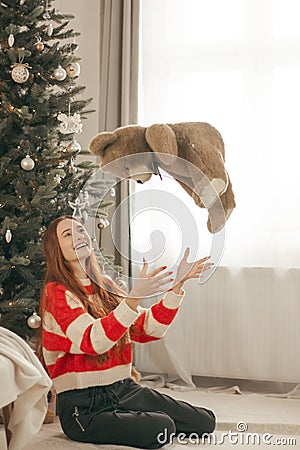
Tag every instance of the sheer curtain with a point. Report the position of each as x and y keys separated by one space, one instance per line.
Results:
x=236 y=65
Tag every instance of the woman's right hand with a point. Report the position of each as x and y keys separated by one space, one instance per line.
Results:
x=148 y=284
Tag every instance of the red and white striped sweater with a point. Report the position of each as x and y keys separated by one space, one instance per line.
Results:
x=71 y=336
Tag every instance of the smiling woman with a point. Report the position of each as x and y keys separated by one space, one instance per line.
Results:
x=75 y=244
x=88 y=328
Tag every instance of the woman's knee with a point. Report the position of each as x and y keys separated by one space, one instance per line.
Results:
x=209 y=421
x=163 y=430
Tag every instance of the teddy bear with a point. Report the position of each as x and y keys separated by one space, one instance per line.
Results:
x=191 y=152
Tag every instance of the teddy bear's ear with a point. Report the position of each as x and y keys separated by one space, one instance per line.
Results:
x=100 y=142
x=162 y=140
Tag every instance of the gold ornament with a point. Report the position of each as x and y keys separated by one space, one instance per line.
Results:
x=20 y=72
x=39 y=46
x=73 y=70
x=11 y=108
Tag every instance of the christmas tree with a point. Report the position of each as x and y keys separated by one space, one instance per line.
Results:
x=40 y=178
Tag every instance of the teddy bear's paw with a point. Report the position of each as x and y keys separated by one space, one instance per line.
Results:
x=218 y=216
x=210 y=192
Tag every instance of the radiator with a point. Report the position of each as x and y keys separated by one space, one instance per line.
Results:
x=242 y=323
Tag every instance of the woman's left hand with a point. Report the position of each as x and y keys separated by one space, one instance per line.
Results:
x=187 y=270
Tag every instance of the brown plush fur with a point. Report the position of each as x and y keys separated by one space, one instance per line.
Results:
x=191 y=152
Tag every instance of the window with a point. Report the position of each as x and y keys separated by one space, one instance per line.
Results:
x=236 y=65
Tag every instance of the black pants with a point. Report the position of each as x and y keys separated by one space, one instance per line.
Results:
x=125 y=413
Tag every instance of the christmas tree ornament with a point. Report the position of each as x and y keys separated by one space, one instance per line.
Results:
x=20 y=72
x=73 y=70
x=77 y=206
x=69 y=124
x=60 y=73
x=50 y=29
x=27 y=163
x=39 y=45
x=11 y=40
x=10 y=108
x=8 y=236
x=34 y=321
x=22 y=2
x=103 y=223
x=23 y=92
x=74 y=147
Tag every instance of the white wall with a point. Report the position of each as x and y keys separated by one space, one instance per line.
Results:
x=87 y=19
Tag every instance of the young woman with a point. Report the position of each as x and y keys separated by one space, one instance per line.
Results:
x=88 y=327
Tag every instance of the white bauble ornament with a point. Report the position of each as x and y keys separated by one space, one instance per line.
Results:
x=59 y=73
x=73 y=70
x=8 y=236
x=34 y=321
x=74 y=147
x=50 y=29
x=11 y=40
x=20 y=73
x=27 y=163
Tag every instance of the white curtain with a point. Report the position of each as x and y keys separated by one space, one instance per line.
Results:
x=119 y=47
x=236 y=65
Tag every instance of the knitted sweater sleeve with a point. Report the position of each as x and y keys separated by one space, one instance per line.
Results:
x=68 y=326
x=153 y=322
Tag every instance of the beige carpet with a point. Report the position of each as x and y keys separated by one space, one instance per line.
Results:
x=277 y=417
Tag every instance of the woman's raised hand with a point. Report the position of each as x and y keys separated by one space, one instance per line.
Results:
x=151 y=283
x=187 y=270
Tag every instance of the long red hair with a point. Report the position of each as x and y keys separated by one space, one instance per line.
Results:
x=60 y=271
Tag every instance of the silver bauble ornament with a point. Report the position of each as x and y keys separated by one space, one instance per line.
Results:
x=27 y=163
x=34 y=321
x=73 y=70
x=20 y=73
x=59 y=73
x=8 y=236
x=74 y=147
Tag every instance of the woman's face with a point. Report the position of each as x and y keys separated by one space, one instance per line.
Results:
x=73 y=239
